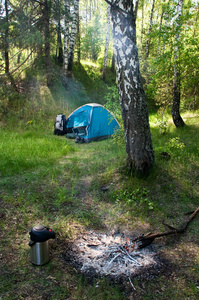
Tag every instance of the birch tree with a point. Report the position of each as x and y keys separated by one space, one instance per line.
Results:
x=6 y=43
x=177 y=119
x=46 y=18
x=107 y=42
x=66 y=35
x=73 y=35
x=140 y=155
x=148 y=36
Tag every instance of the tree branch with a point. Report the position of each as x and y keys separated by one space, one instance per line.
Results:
x=145 y=240
x=22 y=63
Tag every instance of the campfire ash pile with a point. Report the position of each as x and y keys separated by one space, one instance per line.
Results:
x=114 y=255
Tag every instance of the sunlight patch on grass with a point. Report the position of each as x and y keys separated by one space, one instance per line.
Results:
x=27 y=150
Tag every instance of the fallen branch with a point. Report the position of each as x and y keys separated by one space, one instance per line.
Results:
x=145 y=240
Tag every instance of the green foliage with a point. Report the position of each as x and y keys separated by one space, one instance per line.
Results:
x=174 y=143
x=92 y=39
x=160 y=73
x=134 y=199
x=112 y=102
x=162 y=121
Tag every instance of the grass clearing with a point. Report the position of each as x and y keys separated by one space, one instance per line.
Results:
x=52 y=181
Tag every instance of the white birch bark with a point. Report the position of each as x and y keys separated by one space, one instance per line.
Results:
x=148 y=38
x=140 y=155
x=66 y=36
x=107 y=42
x=149 y=30
x=73 y=35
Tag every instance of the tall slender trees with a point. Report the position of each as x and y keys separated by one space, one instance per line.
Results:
x=66 y=35
x=107 y=42
x=140 y=155
x=148 y=36
x=177 y=119
x=6 y=43
x=73 y=35
x=46 y=18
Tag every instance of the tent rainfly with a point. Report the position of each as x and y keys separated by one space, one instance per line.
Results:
x=91 y=122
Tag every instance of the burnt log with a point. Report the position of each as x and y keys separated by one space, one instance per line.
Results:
x=145 y=240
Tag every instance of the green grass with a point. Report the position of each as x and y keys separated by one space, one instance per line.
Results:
x=50 y=180
x=28 y=150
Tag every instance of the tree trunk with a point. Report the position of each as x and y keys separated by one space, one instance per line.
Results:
x=46 y=16
x=113 y=63
x=148 y=38
x=73 y=35
x=6 y=49
x=66 y=35
x=78 y=42
x=177 y=119
x=107 y=43
x=142 y=27
x=140 y=155
x=59 y=39
x=6 y=52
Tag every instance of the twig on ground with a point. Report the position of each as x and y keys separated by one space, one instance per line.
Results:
x=146 y=240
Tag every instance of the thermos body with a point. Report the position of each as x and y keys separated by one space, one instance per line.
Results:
x=39 y=253
x=39 y=248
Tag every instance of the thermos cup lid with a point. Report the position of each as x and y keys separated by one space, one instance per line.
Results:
x=41 y=233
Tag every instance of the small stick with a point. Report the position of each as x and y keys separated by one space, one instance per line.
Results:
x=131 y=258
x=109 y=264
x=131 y=283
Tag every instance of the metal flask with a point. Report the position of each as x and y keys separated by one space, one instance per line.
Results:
x=39 y=247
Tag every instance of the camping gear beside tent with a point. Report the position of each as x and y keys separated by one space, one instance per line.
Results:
x=91 y=122
x=60 y=125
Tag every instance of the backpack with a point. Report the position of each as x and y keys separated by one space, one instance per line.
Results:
x=60 y=125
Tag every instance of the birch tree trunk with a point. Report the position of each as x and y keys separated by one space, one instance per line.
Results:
x=140 y=155
x=107 y=42
x=66 y=36
x=148 y=38
x=177 y=119
x=73 y=35
x=46 y=16
x=6 y=52
x=59 y=39
x=78 y=41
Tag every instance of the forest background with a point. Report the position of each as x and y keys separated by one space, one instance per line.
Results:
x=55 y=56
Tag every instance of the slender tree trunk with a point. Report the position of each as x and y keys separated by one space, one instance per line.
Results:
x=78 y=42
x=160 y=28
x=46 y=14
x=66 y=35
x=177 y=119
x=140 y=155
x=107 y=43
x=148 y=38
x=142 y=26
x=59 y=39
x=6 y=49
x=6 y=52
x=73 y=35
x=113 y=63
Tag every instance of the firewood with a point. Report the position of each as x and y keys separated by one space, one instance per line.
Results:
x=145 y=240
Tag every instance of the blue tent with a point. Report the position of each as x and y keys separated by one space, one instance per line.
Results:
x=91 y=122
